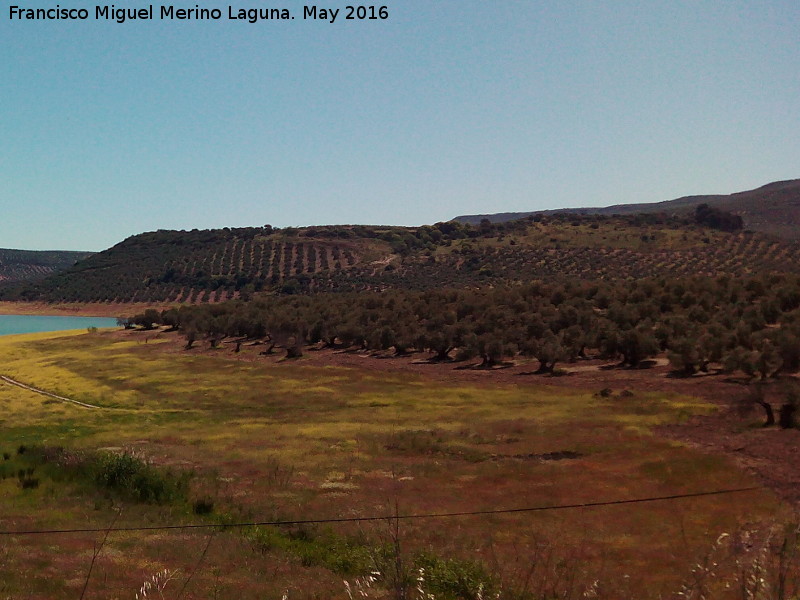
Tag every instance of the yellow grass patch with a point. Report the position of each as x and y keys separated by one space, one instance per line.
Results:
x=293 y=440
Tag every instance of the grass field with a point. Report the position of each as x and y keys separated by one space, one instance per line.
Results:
x=274 y=440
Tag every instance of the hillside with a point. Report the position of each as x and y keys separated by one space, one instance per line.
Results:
x=197 y=265
x=214 y=265
x=773 y=208
x=29 y=265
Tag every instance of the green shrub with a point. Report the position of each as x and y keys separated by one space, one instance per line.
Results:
x=340 y=554
x=131 y=476
x=453 y=578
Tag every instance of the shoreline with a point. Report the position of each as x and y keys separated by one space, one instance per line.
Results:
x=76 y=309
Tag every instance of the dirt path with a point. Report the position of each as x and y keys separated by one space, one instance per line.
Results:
x=48 y=394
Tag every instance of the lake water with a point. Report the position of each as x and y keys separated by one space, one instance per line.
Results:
x=32 y=324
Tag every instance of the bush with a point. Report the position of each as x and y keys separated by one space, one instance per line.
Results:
x=130 y=475
x=204 y=506
x=339 y=554
x=451 y=578
x=29 y=483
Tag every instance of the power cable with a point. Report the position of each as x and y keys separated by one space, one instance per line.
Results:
x=383 y=518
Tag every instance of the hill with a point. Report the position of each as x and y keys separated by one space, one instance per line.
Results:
x=29 y=265
x=214 y=265
x=773 y=208
x=196 y=265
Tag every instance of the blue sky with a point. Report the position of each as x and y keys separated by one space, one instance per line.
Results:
x=447 y=107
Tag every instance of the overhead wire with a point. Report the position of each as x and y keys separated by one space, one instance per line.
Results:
x=442 y=515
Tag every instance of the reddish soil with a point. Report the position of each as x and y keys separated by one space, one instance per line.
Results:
x=735 y=430
x=770 y=453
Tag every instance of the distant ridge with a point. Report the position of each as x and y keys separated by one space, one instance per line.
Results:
x=30 y=265
x=773 y=208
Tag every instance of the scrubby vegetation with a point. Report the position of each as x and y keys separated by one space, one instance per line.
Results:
x=716 y=218
x=121 y=472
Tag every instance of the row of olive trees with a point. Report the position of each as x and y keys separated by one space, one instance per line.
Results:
x=750 y=325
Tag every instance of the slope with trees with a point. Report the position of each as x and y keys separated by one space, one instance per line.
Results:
x=215 y=265
x=29 y=265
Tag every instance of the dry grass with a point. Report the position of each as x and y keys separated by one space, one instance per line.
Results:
x=287 y=440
